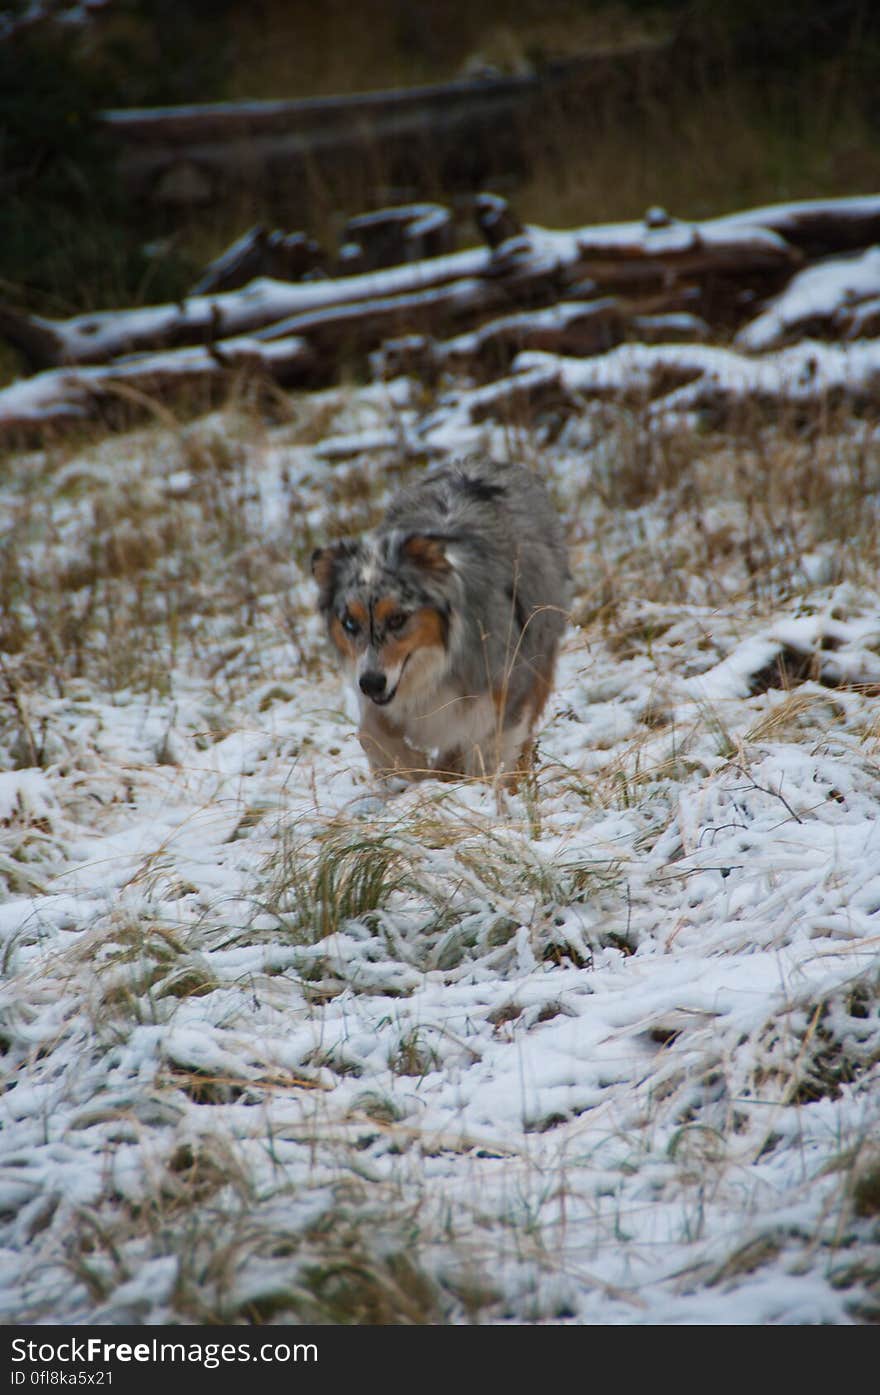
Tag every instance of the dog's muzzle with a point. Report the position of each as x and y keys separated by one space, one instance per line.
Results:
x=373 y=684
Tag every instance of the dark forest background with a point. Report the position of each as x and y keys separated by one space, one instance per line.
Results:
x=745 y=103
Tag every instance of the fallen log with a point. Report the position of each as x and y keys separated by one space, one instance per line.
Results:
x=818 y=227
x=495 y=220
x=59 y=398
x=259 y=252
x=533 y=268
x=343 y=331
x=395 y=236
x=632 y=254
x=673 y=382
x=861 y=321
x=822 y=299
x=809 y=379
x=573 y=327
x=457 y=129
x=103 y=336
x=668 y=327
x=457 y=134
x=539 y=378
x=512 y=275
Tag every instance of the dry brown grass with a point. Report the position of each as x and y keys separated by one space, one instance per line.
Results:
x=299 y=51
x=698 y=136
x=106 y=572
x=664 y=526
x=701 y=150
x=741 y=511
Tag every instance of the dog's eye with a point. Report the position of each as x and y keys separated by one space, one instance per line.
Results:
x=397 y=620
x=350 y=625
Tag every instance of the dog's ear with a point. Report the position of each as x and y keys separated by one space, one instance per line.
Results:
x=428 y=551
x=325 y=561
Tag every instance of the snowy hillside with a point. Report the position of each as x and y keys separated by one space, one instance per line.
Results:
x=279 y=1050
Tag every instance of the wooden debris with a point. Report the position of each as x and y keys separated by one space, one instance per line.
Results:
x=824 y=299
x=105 y=335
x=819 y=227
x=526 y=300
x=343 y=331
x=453 y=135
x=283 y=256
x=534 y=268
x=495 y=219
x=668 y=328
x=394 y=236
x=572 y=327
x=861 y=321
x=116 y=393
x=672 y=383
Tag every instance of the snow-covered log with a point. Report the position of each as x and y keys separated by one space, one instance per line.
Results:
x=395 y=236
x=533 y=268
x=102 y=336
x=573 y=327
x=495 y=219
x=676 y=381
x=861 y=321
x=825 y=299
x=259 y=252
x=818 y=226
x=626 y=255
x=520 y=306
x=63 y=397
x=340 y=331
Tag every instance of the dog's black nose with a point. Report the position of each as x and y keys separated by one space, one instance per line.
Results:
x=372 y=683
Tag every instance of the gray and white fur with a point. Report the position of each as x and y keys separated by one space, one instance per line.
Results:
x=448 y=617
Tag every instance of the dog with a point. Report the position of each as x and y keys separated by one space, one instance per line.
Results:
x=448 y=619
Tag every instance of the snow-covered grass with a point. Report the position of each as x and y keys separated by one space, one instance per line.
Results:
x=280 y=1049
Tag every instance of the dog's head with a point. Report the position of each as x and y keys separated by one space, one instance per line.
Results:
x=387 y=605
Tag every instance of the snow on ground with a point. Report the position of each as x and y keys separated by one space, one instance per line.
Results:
x=280 y=1049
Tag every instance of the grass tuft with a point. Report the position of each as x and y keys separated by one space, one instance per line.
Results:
x=351 y=876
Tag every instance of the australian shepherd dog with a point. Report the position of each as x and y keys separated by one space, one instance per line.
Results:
x=448 y=619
